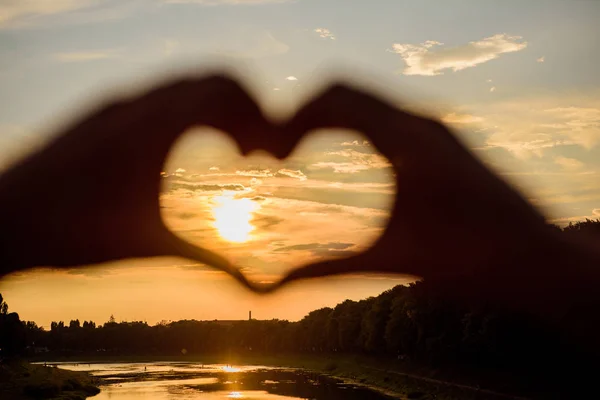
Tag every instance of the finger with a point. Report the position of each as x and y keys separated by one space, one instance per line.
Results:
x=392 y=131
x=358 y=263
x=216 y=101
x=181 y=248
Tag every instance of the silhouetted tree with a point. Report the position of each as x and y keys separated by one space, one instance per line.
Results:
x=12 y=332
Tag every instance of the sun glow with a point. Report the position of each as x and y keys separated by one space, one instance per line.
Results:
x=229 y=368
x=233 y=217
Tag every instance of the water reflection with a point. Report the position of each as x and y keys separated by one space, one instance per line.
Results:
x=191 y=381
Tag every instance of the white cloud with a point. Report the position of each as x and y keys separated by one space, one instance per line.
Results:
x=454 y=118
x=568 y=163
x=325 y=33
x=541 y=59
x=257 y=173
x=214 y=169
x=493 y=89
x=427 y=59
x=356 y=143
x=358 y=161
x=291 y=78
x=83 y=56
x=341 y=168
x=292 y=173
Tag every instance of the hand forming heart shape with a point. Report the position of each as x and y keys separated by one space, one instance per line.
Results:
x=92 y=195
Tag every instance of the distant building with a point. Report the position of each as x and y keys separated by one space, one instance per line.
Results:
x=229 y=322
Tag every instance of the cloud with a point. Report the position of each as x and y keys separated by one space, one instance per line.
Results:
x=331 y=249
x=358 y=162
x=285 y=228
x=291 y=78
x=205 y=187
x=530 y=126
x=454 y=118
x=292 y=173
x=340 y=168
x=14 y=10
x=568 y=163
x=276 y=89
x=266 y=221
x=214 y=169
x=325 y=33
x=580 y=124
x=19 y=14
x=356 y=143
x=257 y=173
x=428 y=59
x=524 y=144
x=83 y=56
x=541 y=59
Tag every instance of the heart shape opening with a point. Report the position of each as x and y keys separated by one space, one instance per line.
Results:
x=331 y=198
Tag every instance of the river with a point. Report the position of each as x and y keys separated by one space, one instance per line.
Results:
x=191 y=381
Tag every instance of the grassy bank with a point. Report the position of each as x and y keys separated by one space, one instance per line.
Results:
x=399 y=380
x=20 y=380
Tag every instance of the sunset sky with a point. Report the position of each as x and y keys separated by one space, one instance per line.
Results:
x=517 y=80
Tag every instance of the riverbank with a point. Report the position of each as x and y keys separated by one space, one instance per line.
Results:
x=20 y=380
x=385 y=377
x=389 y=377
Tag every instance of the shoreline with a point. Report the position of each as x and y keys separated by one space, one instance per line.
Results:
x=352 y=370
x=21 y=380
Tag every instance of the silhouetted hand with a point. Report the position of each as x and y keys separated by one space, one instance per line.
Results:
x=92 y=195
x=453 y=219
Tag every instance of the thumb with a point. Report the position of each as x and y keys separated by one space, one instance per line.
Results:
x=353 y=264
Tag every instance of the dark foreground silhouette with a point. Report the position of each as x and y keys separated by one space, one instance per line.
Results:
x=92 y=196
x=413 y=326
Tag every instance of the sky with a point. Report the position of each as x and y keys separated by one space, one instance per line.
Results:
x=516 y=81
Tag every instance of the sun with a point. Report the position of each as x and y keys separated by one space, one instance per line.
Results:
x=233 y=217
